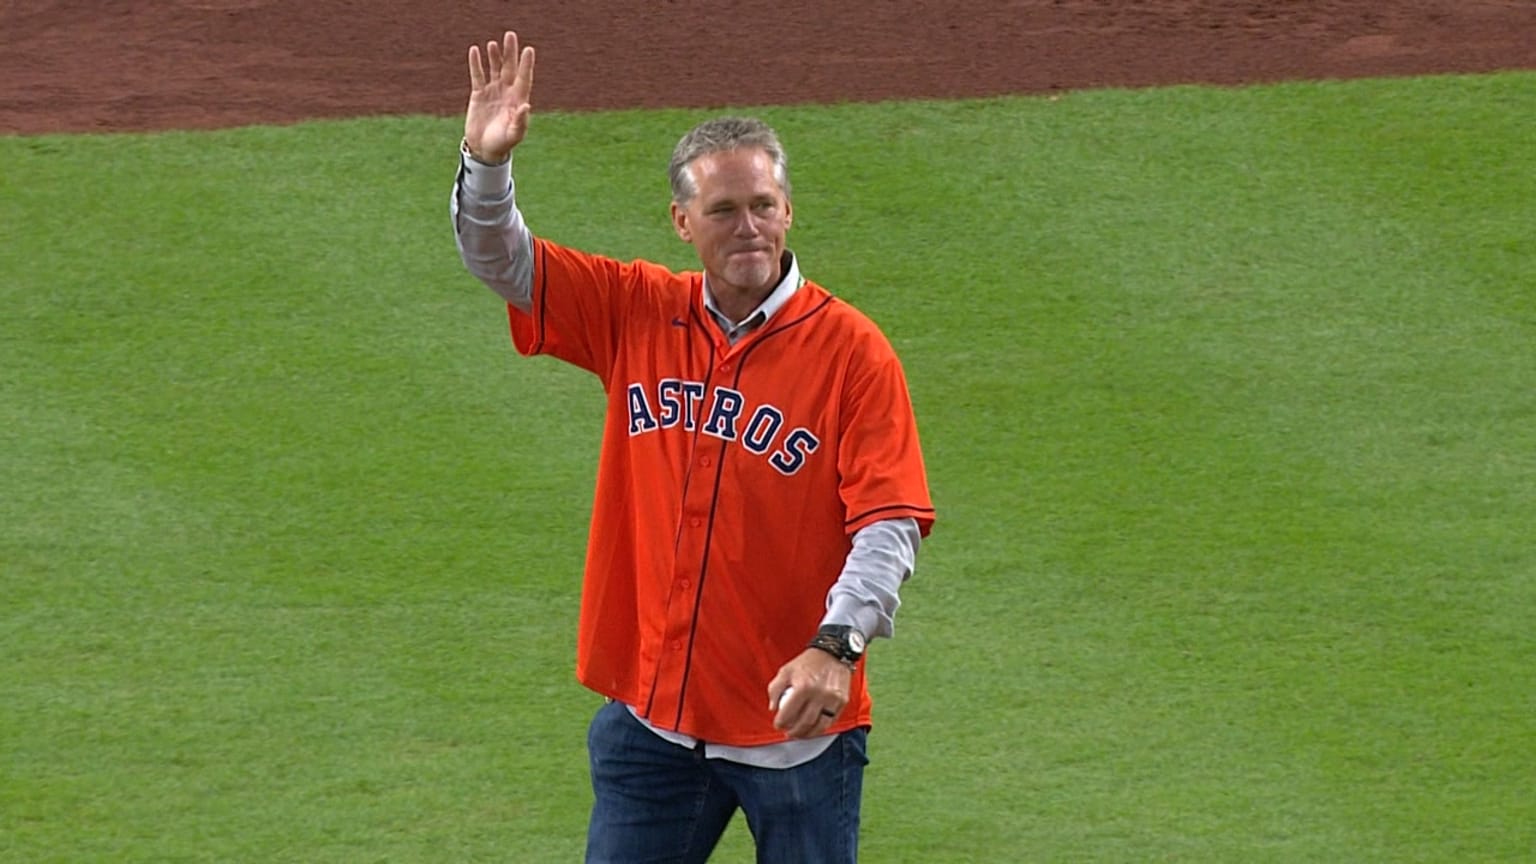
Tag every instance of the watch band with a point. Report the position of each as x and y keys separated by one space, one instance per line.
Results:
x=841 y=641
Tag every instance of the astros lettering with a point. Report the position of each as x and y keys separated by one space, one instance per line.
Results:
x=678 y=403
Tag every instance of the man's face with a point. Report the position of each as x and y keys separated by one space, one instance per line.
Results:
x=736 y=220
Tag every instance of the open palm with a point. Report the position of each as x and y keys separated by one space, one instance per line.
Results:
x=499 y=92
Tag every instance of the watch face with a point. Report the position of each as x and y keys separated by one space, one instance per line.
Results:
x=856 y=641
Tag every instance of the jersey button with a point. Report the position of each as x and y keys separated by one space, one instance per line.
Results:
x=682 y=584
x=696 y=522
x=725 y=367
x=677 y=645
x=704 y=463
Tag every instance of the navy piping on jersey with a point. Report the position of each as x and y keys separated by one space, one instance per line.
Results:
x=709 y=529
x=677 y=538
x=543 y=289
x=698 y=597
x=698 y=591
x=906 y=507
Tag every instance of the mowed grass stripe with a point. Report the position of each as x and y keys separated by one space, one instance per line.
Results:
x=1227 y=396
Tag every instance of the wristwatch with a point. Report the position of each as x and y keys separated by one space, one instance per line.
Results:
x=842 y=641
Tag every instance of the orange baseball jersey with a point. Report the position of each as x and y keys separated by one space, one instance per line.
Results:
x=730 y=482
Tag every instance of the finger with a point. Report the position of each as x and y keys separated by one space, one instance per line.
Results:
x=511 y=56
x=524 y=82
x=476 y=73
x=493 y=59
x=815 y=720
x=812 y=722
x=779 y=689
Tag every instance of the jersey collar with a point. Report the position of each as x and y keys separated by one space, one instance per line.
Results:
x=765 y=310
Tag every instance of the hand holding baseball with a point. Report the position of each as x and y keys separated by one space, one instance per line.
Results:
x=809 y=693
x=499 y=91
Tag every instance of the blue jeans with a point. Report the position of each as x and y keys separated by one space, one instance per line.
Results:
x=658 y=802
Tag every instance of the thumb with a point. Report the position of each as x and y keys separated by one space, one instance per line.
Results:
x=778 y=689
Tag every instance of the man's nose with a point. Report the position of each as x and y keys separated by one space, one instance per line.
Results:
x=746 y=225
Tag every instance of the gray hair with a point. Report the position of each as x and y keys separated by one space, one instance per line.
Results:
x=718 y=135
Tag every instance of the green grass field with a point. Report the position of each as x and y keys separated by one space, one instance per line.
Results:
x=1228 y=398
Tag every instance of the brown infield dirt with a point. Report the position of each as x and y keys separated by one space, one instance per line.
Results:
x=114 y=65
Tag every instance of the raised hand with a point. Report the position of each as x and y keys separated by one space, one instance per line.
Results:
x=497 y=118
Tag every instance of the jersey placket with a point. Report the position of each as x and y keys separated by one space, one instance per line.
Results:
x=701 y=490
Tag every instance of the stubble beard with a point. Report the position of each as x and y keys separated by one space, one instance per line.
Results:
x=752 y=277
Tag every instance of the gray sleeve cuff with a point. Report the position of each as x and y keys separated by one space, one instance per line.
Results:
x=494 y=243
x=485 y=182
x=866 y=594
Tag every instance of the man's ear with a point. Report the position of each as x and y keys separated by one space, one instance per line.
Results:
x=680 y=223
